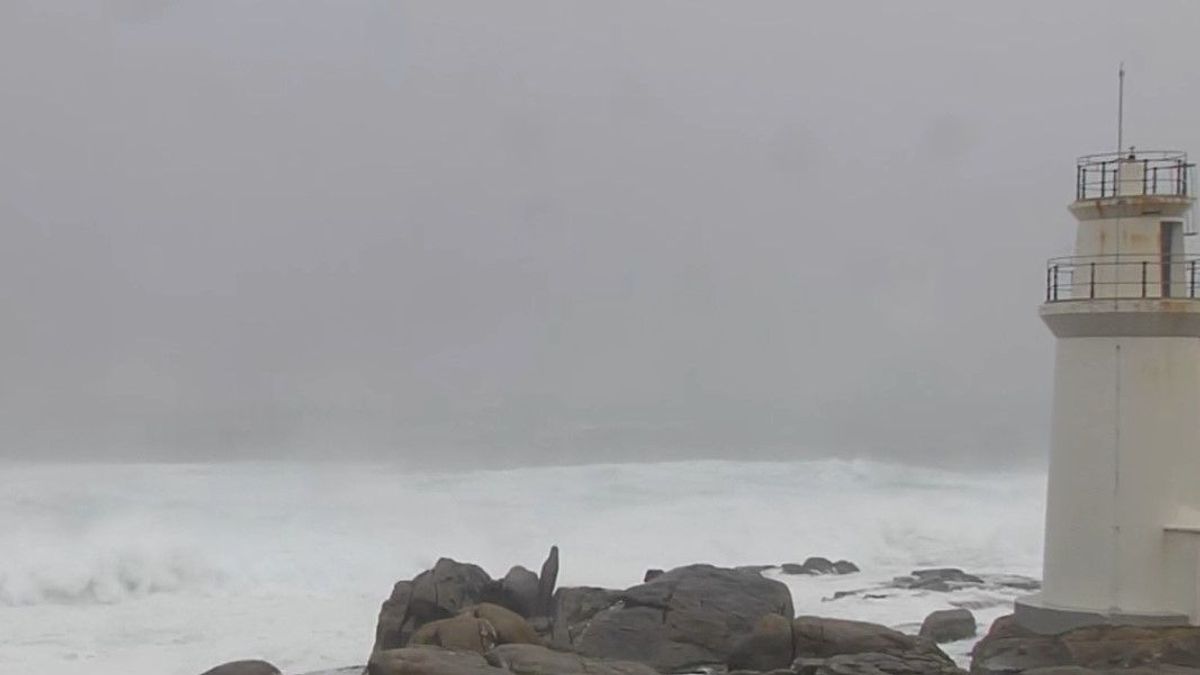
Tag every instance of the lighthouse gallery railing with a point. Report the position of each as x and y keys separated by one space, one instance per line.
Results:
x=1164 y=173
x=1121 y=277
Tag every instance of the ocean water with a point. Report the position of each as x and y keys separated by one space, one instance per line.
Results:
x=170 y=569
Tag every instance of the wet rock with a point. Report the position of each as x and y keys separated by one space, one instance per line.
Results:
x=429 y=661
x=948 y=625
x=948 y=574
x=1016 y=581
x=535 y=660
x=819 y=565
x=844 y=567
x=688 y=616
x=574 y=608
x=248 y=667
x=942 y=580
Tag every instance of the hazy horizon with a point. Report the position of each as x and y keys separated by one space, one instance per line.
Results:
x=526 y=232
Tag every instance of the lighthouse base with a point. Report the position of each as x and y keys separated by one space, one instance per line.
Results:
x=1034 y=614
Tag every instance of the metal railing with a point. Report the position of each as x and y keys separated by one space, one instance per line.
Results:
x=1121 y=277
x=1158 y=173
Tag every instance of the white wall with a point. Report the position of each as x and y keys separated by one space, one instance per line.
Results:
x=1125 y=459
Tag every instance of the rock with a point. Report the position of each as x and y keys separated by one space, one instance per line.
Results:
x=434 y=594
x=871 y=663
x=948 y=625
x=845 y=567
x=547 y=580
x=535 y=660
x=429 y=661
x=688 y=616
x=1016 y=581
x=931 y=584
x=510 y=627
x=462 y=633
x=651 y=575
x=574 y=608
x=816 y=637
x=1009 y=648
x=817 y=646
x=942 y=580
x=249 y=667
x=949 y=574
x=518 y=591
x=393 y=627
x=769 y=647
x=819 y=565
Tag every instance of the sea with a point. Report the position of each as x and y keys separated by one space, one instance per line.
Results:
x=169 y=569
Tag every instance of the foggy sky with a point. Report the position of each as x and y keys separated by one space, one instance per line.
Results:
x=551 y=231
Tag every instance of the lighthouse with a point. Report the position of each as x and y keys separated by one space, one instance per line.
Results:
x=1123 y=500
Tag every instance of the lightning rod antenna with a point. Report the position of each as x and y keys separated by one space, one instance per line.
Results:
x=1121 y=108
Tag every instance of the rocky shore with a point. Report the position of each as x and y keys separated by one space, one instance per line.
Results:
x=455 y=619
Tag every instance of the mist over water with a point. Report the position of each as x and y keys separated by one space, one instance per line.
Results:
x=172 y=568
x=463 y=234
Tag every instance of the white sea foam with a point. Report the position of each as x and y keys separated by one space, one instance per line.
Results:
x=172 y=568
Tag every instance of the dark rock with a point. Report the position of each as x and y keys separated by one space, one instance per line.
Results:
x=547 y=580
x=510 y=627
x=817 y=646
x=435 y=594
x=931 y=584
x=651 y=575
x=817 y=637
x=948 y=625
x=543 y=626
x=460 y=633
x=429 y=661
x=1009 y=648
x=518 y=591
x=871 y=663
x=950 y=574
x=845 y=567
x=393 y=628
x=769 y=647
x=1014 y=581
x=819 y=565
x=534 y=660
x=689 y=616
x=574 y=608
x=249 y=667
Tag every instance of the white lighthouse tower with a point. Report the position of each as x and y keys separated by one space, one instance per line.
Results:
x=1123 y=507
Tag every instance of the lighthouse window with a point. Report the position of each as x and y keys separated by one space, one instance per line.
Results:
x=1171 y=247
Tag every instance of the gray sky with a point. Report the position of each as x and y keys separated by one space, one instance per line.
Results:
x=553 y=231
